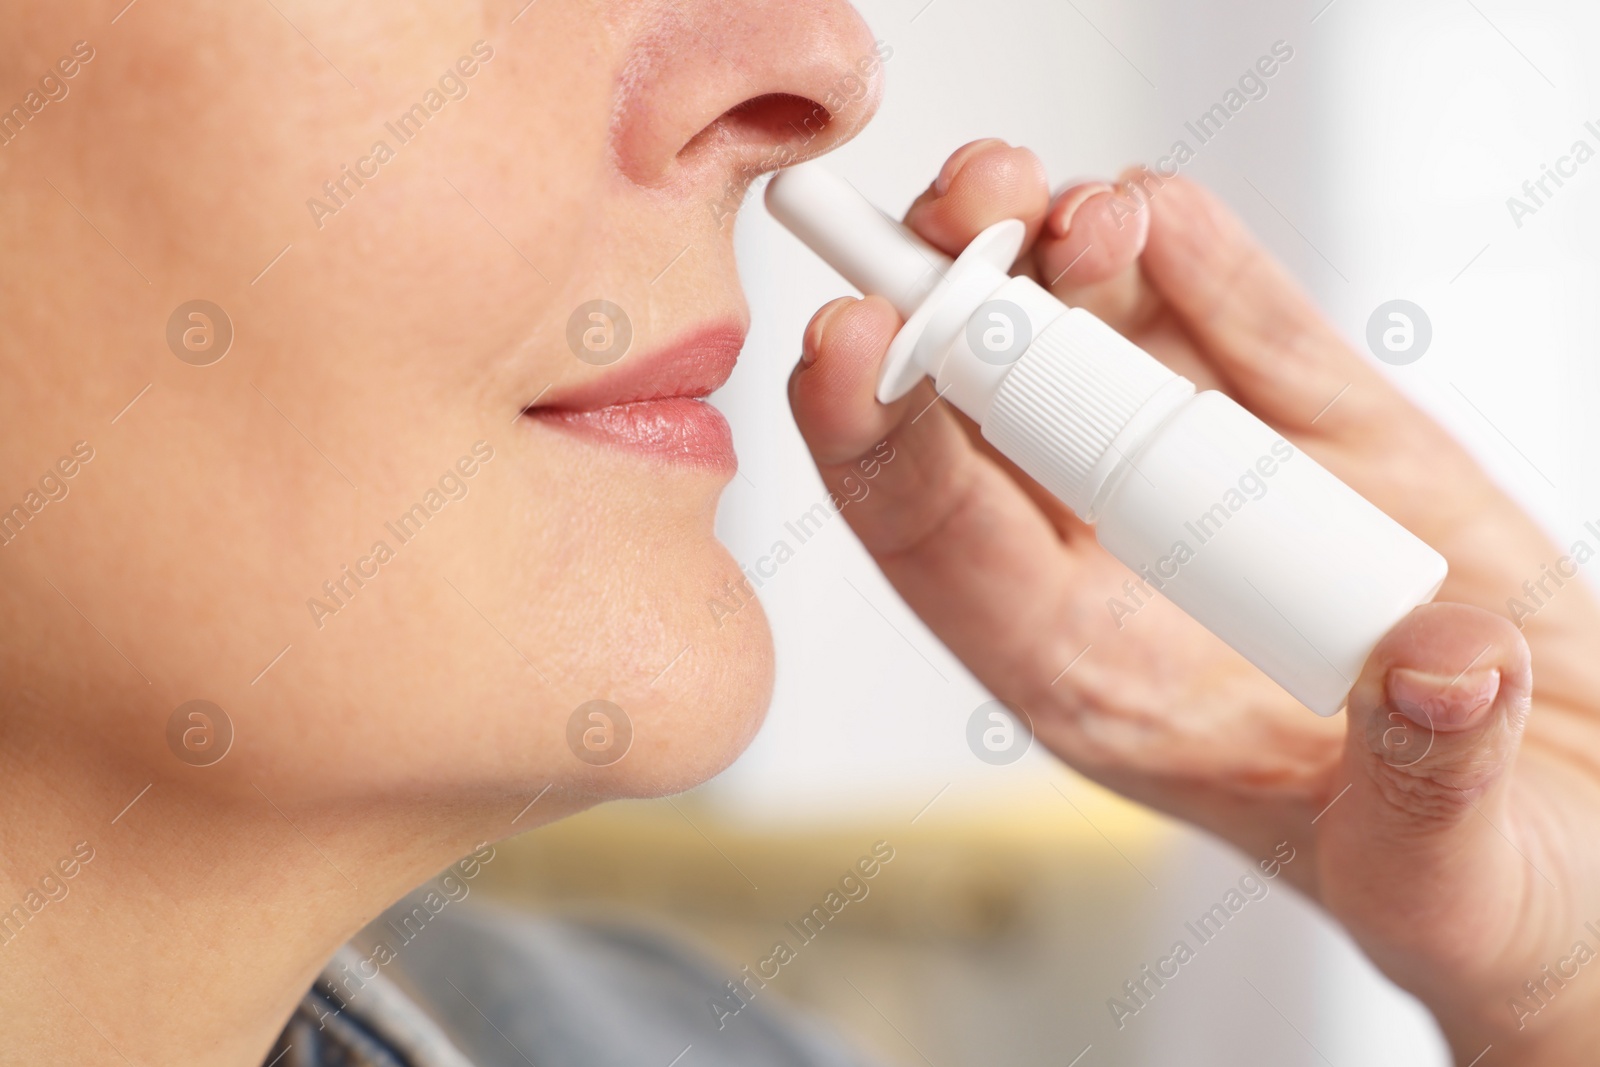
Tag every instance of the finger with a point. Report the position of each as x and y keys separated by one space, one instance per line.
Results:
x=1267 y=341
x=983 y=183
x=1088 y=253
x=957 y=537
x=1426 y=830
x=833 y=389
x=832 y=393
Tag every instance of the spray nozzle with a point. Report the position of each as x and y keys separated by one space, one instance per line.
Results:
x=936 y=295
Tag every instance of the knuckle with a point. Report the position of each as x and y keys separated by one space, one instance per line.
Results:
x=1438 y=789
x=1430 y=799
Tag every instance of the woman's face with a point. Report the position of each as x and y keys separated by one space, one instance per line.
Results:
x=349 y=532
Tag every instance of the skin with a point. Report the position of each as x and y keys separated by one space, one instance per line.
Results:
x=425 y=715
x=1446 y=819
x=424 y=316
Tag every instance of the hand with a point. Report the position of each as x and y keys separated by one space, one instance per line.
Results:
x=1448 y=818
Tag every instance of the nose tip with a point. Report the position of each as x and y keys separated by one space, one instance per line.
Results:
x=734 y=88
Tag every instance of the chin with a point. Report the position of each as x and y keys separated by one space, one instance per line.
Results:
x=704 y=665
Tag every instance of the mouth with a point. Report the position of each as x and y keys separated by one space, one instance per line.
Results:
x=655 y=404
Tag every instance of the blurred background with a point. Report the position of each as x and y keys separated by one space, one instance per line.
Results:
x=1021 y=898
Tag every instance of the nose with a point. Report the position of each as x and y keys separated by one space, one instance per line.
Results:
x=734 y=88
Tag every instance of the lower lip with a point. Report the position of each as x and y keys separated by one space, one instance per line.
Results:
x=679 y=429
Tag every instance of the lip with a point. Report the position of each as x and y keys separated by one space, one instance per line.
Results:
x=654 y=404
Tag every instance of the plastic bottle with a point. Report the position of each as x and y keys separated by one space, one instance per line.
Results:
x=1205 y=503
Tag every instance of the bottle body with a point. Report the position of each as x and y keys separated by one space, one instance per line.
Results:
x=1262 y=546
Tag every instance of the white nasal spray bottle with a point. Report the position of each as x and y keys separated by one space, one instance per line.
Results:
x=1199 y=498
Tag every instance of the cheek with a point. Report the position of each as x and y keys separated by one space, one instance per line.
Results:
x=568 y=575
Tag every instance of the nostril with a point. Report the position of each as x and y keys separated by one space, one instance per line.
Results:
x=780 y=116
x=774 y=122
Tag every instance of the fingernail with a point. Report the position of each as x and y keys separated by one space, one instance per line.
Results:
x=1442 y=701
x=1060 y=221
x=953 y=165
x=819 y=329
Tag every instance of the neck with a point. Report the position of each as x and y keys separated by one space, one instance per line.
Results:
x=184 y=928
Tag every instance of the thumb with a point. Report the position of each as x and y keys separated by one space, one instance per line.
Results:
x=1424 y=838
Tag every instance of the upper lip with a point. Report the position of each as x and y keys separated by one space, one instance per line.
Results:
x=694 y=365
